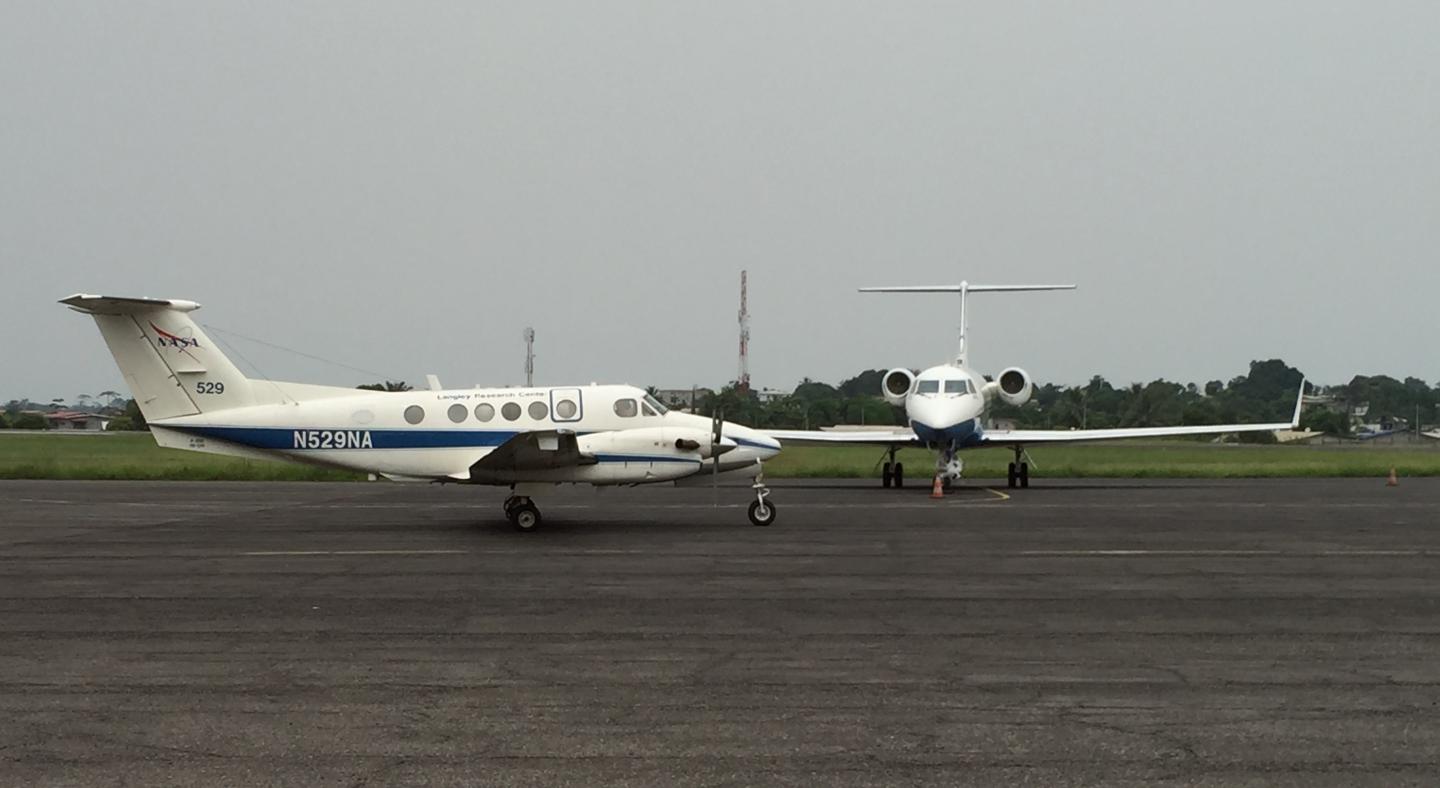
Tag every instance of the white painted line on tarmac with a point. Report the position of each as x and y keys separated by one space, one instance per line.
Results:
x=278 y=553
x=1229 y=553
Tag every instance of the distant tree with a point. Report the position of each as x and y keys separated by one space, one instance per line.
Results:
x=136 y=418
x=866 y=384
x=389 y=385
x=1330 y=422
x=4 y=421
x=1214 y=387
x=30 y=421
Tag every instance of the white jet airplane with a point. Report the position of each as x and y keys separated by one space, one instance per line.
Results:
x=194 y=398
x=946 y=404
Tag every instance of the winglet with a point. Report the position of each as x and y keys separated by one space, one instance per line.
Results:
x=1299 y=401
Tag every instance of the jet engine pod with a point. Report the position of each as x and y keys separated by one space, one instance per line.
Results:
x=896 y=385
x=1015 y=386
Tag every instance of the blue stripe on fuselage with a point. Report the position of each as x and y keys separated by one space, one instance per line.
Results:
x=283 y=439
x=965 y=434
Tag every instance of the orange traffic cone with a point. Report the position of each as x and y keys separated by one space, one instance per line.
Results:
x=938 y=490
x=1392 y=481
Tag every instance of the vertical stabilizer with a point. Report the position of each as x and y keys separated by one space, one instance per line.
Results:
x=171 y=366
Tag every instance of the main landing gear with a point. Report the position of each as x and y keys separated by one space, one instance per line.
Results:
x=521 y=513
x=893 y=473
x=524 y=516
x=1019 y=470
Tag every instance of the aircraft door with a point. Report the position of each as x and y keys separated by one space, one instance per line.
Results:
x=566 y=405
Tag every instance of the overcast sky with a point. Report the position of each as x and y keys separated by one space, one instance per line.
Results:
x=403 y=187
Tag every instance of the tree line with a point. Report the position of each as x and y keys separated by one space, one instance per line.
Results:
x=1264 y=394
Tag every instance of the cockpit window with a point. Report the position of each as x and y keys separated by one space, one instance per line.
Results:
x=958 y=387
x=647 y=410
x=927 y=387
x=655 y=404
x=626 y=408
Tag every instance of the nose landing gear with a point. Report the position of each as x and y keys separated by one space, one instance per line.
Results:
x=762 y=512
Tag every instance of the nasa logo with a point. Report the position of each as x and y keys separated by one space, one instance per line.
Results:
x=167 y=339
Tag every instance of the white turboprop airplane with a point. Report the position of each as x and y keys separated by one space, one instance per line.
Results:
x=194 y=398
x=946 y=404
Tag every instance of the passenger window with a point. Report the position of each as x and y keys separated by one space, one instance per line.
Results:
x=626 y=408
x=510 y=410
x=565 y=409
x=484 y=411
x=458 y=412
x=538 y=411
x=928 y=387
x=414 y=414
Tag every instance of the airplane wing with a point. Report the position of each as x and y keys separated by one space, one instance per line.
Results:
x=897 y=437
x=535 y=450
x=1014 y=437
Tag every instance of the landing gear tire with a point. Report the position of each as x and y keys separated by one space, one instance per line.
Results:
x=524 y=517
x=887 y=475
x=899 y=474
x=947 y=483
x=762 y=513
x=1013 y=478
x=1025 y=474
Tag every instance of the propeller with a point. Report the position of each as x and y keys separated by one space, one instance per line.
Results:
x=717 y=429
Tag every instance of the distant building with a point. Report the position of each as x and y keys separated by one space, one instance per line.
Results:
x=770 y=395
x=77 y=421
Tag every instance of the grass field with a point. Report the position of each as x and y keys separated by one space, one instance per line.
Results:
x=135 y=456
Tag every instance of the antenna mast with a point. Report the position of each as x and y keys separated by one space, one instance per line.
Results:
x=529 y=357
x=742 y=382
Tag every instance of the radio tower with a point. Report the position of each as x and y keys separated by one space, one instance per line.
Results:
x=742 y=383
x=529 y=357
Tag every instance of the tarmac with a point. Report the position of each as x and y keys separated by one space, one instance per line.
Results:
x=1277 y=632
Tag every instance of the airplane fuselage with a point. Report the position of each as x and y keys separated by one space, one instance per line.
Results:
x=441 y=434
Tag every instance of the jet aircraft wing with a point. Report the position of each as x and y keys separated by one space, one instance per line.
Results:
x=1015 y=437
x=896 y=437
x=534 y=450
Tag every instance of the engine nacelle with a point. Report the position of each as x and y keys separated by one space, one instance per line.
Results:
x=896 y=385
x=1013 y=386
x=657 y=441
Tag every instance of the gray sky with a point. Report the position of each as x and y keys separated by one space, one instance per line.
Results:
x=403 y=187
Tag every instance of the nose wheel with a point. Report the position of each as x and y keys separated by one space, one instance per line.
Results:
x=762 y=512
x=522 y=513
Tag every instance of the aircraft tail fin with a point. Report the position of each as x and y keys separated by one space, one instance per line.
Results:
x=964 y=289
x=172 y=368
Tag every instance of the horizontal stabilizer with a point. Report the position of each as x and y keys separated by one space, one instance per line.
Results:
x=122 y=305
x=964 y=288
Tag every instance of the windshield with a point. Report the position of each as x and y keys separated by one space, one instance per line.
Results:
x=928 y=387
x=957 y=387
x=655 y=403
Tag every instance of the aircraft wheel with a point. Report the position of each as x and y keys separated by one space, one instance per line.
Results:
x=886 y=475
x=947 y=483
x=1025 y=474
x=899 y=474
x=523 y=516
x=762 y=513
x=1013 y=477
